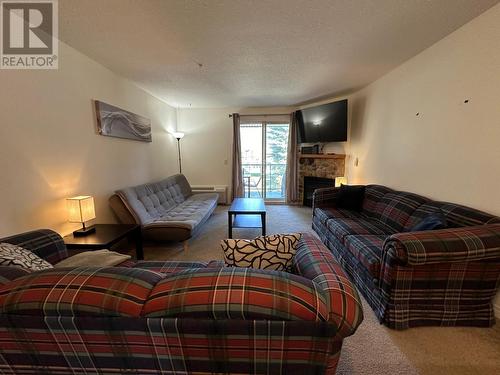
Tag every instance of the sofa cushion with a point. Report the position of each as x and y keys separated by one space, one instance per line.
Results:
x=341 y=228
x=455 y=214
x=274 y=252
x=368 y=251
x=373 y=195
x=394 y=209
x=150 y=202
x=237 y=293
x=350 y=197
x=84 y=291
x=189 y=214
x=324 y=214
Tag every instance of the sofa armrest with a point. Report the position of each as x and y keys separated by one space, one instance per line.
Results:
x=45 y=243
x=121 y=210
x=315 y=262
x=325 y=197
x=464 y=244
x=7 y=274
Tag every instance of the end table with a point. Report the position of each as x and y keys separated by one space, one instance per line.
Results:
x=105 y=236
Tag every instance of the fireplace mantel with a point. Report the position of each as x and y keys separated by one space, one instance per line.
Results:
x=321 y=156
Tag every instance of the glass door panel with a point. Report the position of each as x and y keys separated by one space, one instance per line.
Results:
x=251 y=159
x=276 y=138
x=263 y=158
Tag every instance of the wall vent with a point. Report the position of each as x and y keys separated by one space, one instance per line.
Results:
x=221 y=190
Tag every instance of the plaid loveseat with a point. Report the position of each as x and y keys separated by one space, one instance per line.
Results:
x=442 y=277
x=174 y=317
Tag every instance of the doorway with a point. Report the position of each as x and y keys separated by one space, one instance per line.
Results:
x=264 y=147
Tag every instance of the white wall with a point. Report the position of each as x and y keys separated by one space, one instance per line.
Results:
x=451 y=150
x=207 y=146
x=49 y=149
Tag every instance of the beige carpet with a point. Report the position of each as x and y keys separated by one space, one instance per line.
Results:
x=373 y=349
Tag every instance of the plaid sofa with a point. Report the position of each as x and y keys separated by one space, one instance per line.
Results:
x=445 y=277
x=174 y=317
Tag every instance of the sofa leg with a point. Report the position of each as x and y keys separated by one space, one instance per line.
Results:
x=186 y=245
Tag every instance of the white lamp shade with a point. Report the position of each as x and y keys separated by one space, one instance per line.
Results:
x=178 y=135
x=340 y=181
x=80 y=209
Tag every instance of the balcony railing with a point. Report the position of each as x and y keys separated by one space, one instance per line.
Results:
x=275 y=180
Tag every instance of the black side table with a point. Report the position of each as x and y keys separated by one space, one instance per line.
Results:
x=105 y=236
x=247 y=213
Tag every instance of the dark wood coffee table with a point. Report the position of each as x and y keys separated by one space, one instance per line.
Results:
x=247 y=213
x=105 y=236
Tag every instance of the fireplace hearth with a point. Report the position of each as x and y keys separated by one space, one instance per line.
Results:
x=324 y=166
x=312 y=183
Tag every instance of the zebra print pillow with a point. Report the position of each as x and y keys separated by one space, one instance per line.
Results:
x=16 y=256
x=273 y=252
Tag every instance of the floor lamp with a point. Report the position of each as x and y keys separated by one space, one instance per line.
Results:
x=179 y=136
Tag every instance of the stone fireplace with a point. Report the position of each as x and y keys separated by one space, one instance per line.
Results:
x=313 y=183
x=327 y=166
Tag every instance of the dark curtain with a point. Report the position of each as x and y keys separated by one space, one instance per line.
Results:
x=292 y=175
x=237 y=174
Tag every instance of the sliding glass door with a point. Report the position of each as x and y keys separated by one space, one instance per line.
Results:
x=263 y=157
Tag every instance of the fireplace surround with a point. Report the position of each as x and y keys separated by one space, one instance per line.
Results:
x=329 y=166
x=312 y=183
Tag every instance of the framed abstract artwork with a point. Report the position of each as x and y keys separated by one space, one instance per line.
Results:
x=116 y=122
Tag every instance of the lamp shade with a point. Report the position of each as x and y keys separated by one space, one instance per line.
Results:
x=80 y=209
x=340 y=181
x=178 y=135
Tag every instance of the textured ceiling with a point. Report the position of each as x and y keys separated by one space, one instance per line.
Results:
x=257 y=53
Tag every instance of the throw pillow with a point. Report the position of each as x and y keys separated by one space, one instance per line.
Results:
x=16 y=256
x=273 y=252
x=350 y=197
x=430 y=222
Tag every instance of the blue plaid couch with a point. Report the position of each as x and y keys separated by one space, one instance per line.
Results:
x=445 y=277
x=174 y=317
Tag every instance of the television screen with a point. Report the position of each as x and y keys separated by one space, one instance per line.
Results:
x=324 y=123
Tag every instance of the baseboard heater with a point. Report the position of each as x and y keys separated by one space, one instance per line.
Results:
x=221 y=190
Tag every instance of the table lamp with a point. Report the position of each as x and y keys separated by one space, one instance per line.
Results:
x=80 y=210
x=340 y=181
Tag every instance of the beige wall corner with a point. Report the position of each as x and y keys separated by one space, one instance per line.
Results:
x=49 y=149
x=432 y=126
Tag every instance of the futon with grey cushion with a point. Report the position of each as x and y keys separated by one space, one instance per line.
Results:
x=166 y=210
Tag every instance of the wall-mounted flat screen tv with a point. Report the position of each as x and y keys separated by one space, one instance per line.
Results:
x=324 y=123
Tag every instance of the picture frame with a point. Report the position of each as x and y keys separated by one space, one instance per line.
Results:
x=113 y=121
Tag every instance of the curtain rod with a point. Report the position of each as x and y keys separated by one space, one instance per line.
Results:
x=264 y=114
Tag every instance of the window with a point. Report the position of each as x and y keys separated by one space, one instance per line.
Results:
x=263 y=156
